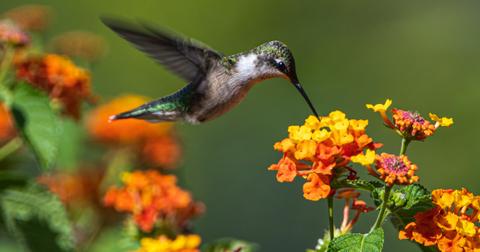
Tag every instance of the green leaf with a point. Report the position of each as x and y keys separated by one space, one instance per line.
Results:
x=229 y=245
x=37 y=219
x=38 y=124
x=354 y=242
x=357 y=184
x=404 y=203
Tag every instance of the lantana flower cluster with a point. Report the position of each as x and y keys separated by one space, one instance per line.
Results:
x=12 y=35
x=181 y=243
x=150 y=196
x=409 y=124
x=314 y=150
x=390 y=168
x=451 y=225
x=60 y=78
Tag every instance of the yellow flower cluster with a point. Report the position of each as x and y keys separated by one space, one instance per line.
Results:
x=182 y=243
x=452 y=225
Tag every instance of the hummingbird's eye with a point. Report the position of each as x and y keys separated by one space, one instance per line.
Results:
x=281 y=66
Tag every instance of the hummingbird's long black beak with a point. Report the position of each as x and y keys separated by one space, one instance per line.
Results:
x=305 y=96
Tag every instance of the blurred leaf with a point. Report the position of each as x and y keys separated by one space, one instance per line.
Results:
x=39 y=125
x=37 y=219
x=229 y=245
x=354 y=242
x=71 y=142
x=10 y=179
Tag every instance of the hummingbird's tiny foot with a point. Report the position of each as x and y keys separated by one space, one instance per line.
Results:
x=112 y=118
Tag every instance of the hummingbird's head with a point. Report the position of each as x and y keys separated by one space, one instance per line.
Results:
x=274 y=59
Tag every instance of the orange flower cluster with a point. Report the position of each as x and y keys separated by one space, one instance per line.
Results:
x=181 y=243
x=78 y=187
x=11 y=34
x=315 y=149
x=411 y=125
x=61 y=78
x=7 y=128
x=157 y=142
x=150 y=196
x=452 y=225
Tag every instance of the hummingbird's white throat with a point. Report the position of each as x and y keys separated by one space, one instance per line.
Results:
x=248 y=68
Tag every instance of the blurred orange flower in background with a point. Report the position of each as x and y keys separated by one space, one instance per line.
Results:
x=60 y=78
x=31 y=17
x=150 y=196
x=7 y=127
x=76 y=187
x=162 y=151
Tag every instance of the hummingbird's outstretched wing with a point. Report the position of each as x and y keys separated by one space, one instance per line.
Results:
x=183 y=57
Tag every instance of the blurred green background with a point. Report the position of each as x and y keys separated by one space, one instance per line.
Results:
x=422 y=54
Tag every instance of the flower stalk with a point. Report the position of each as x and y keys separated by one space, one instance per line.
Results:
x=330 y=217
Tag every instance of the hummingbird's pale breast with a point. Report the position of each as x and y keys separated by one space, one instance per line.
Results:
x=224 y=88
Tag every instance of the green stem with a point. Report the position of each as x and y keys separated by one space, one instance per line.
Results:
x=383 y=208
x=403 y=148
x=388 y=189
x=5 y=63
x=10 y=147
x=330 y=217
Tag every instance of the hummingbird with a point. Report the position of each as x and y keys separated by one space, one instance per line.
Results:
x=216 y=83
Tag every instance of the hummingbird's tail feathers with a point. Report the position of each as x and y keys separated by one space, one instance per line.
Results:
x=156 y=111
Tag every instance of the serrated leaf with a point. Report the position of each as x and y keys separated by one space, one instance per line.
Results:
x=38 y=123
x=37 y=219
x=354 y=242
x=404 y=203
x=229 y=245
